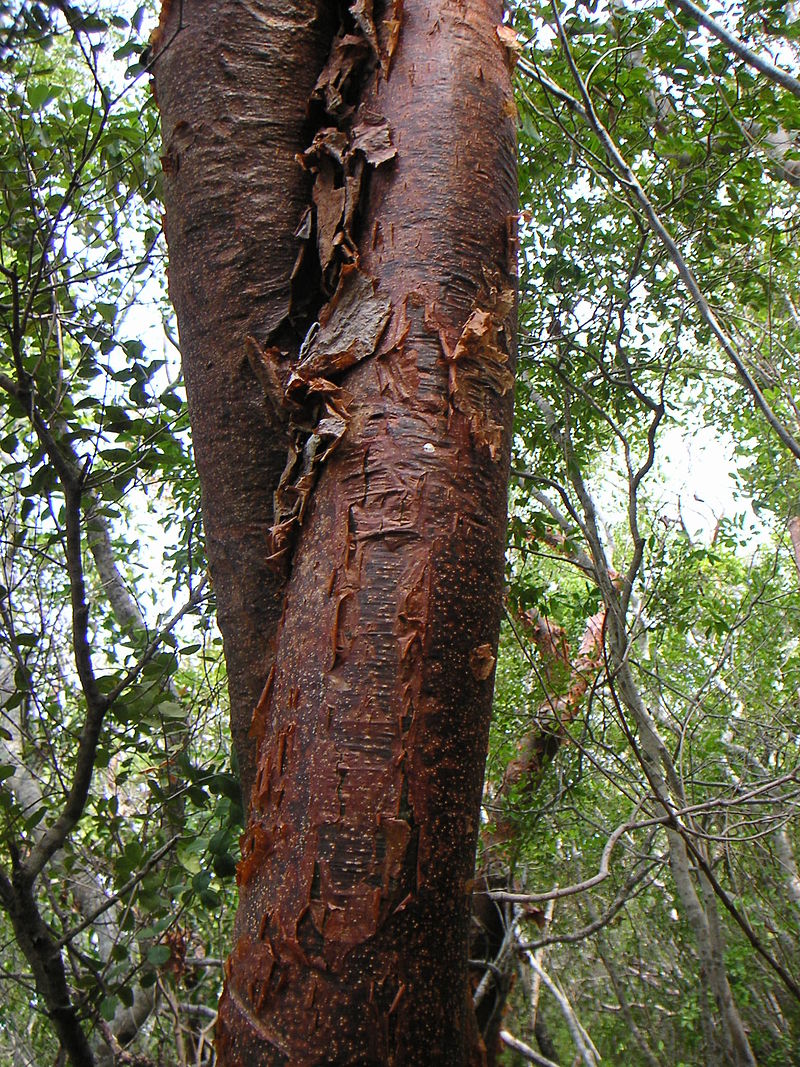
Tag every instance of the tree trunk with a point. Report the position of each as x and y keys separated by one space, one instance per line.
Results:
x=372 y=729
x=703 y=920
x=232 y=81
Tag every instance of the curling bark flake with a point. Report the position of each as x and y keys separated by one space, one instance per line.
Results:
x=347 y=328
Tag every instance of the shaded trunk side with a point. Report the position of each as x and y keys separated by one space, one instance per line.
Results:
x=357 y=859
x=232 y=81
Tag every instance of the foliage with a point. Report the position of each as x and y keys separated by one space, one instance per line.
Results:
x=94 y=401
x=700 y=632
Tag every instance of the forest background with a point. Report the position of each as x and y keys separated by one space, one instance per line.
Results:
x=640 y=808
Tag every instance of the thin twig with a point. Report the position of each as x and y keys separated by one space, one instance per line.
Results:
x=626 y=176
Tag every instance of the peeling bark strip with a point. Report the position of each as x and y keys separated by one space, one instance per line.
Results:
x=351 y=935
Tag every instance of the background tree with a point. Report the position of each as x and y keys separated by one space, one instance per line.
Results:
x=663 y=155
x=106 y=750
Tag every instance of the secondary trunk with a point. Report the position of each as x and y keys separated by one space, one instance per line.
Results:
x=232 y=81
x=389 y=517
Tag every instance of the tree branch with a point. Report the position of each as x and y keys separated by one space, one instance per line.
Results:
x=109 y=902
x=752 y=59
x=626 y=176
x=525 y=1051
x=55 y=836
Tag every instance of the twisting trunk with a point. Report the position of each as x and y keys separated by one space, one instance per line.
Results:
x=232 y=81
x=389 y=517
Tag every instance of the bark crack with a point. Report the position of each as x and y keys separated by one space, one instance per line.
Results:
x=303 y=393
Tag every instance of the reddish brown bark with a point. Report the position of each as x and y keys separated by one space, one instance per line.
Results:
x=372 y=730
x=232 y=80
x=537 y=748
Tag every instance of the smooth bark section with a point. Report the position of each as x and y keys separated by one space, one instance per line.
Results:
x=355 y=882
x=232 y=81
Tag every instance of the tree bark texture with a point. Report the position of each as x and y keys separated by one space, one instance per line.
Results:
x=388 y=521
x=232 y=81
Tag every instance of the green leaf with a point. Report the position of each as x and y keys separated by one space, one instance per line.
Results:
x=158 y=955
x=40 y=94
x=108 y=1007
x=224 y=865
x=171 y=710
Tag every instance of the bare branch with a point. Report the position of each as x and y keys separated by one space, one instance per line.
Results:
x=616 y=906
x=583 y=1043
x=751 y=58
x=577 y=887
x=524 y=1050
